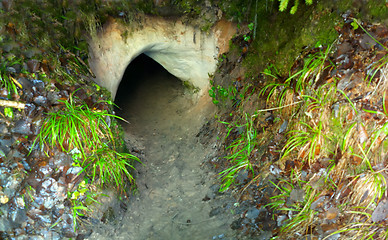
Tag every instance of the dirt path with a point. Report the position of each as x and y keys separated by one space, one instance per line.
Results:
x=177 y=196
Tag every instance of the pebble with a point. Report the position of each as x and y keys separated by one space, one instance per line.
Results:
x=381 y=211
x=22 y=127
x=331 y=213
x=3 y=198
x=252 y=213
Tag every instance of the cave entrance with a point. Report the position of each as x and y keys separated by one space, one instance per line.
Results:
x=167 y=128
x=149 y=95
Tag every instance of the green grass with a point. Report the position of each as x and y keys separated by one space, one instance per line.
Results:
x=302 y=216
x=240 y=151
x=6 y=80
x=308 y=139
x=86 y=135
x=75 y=126
x=301 y=81
x=111 y=166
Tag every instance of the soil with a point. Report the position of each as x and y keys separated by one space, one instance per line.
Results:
x=177 y=195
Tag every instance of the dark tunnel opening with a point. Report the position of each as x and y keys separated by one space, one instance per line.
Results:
x=144 y=85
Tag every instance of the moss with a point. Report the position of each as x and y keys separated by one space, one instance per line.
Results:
x=190 y=87
x=282 y=45
x=378 y=9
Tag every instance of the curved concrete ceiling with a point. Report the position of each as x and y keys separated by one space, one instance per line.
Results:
x=183 y=50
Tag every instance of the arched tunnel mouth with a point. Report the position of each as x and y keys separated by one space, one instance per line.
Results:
x=166 y=130
x=146 y=92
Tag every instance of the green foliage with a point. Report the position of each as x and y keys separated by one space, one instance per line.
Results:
x=86 y=134
x=297 y=82
x=221 y=95
x=6 y=80
x=284 y=3
x=247 y=37
x=309 y=138
x=75 y=126
x=8 y=112
x=300 y=212
x=240 y=151
x=77 y=199
x=111 y=166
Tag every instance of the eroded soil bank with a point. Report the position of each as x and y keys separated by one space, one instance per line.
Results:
x=177 y=195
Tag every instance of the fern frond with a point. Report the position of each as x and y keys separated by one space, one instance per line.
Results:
x=283 y=5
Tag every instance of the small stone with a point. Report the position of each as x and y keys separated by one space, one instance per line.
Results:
x=281 y=219
x=18 y=216
x=381 y=211
x=40 y=100
x=20 y=202
x=33 y=65
x=3 y=129
x=236 y=224
x=296 y=195
x=22 y=127
x=331 y=213
x=283 y=127
x=11 y=70
x=253 y=213
x=4 y=225
x=3 y=198
x=215 y=211
x=35 y=237
x=366 y=42
x=275 y=170
x=318 y=203
x=74 y=170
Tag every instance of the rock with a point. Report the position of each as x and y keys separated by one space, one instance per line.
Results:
x=275 y=170
x=18 y=217
x=53 y=97
x=3 y=198
x=366 y=42
x=381 y=211
x=3 y=129
x=11 y=70
x=296 y=195
x=242 y=176
x=281 y=219
x=35 y=237
x=22 y=127
x=331 y=213
x=236 y=224
x=215 y=211
x=40 y=100
x=318 y=203
x=38 y=85
x=283 y=127
x=33 y=65
x=4 y=226
x=5 y=145
x=252 y=213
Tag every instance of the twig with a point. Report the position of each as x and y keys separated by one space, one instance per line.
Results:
x=81 y=61
x=12 y=104
x=275 y=108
